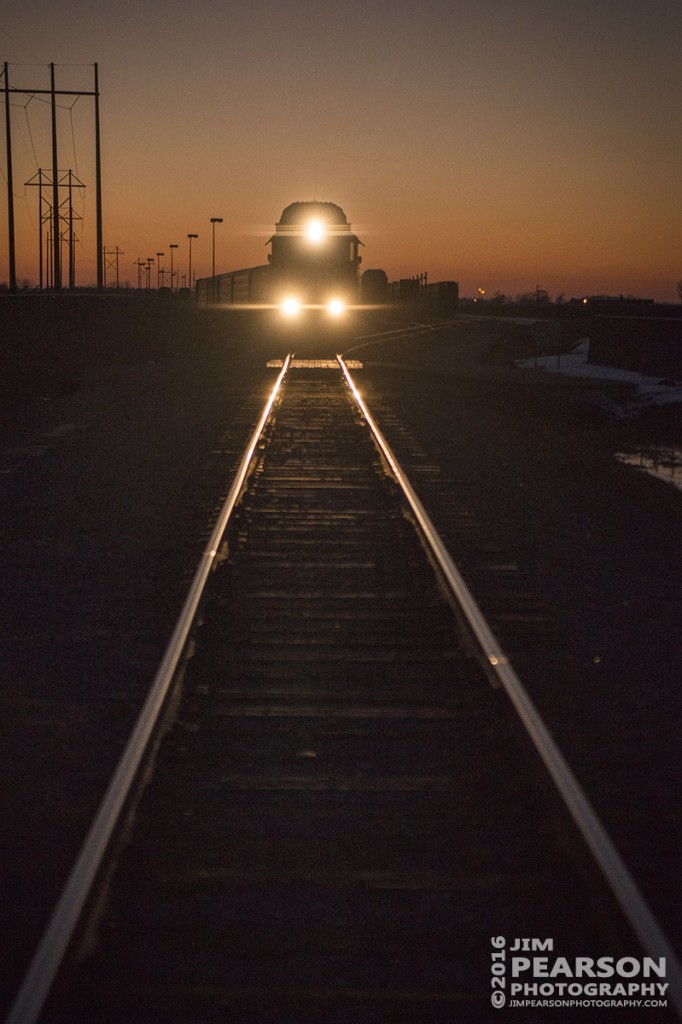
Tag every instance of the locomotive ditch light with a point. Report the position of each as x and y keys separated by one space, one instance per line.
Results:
x=336 y=307
x=291 y=307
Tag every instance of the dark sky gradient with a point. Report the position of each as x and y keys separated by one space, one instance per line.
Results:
x=502 y=144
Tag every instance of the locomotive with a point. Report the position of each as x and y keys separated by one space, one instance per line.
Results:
x=313 y=271
x=313 y=265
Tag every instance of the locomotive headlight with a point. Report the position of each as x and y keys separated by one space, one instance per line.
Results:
x=315 y=231
x=335 y=307
x=290 y=307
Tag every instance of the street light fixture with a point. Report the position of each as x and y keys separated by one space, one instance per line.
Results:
x=189 y=275
x=158 y=269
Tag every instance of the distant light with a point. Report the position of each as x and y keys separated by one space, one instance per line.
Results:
x=290 y=307
x=335 y=307
x=315 y=231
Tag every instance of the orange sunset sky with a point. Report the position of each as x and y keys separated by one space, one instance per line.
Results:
x=501 y=144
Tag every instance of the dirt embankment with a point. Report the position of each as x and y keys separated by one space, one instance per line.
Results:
x=51 y=344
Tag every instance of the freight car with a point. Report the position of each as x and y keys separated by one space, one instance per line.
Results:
x=313 y=265
x=373 y=287
x=441 y=298
x=239 y=287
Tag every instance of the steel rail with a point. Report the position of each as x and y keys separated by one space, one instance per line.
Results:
x=41 y=973
x=613 y=868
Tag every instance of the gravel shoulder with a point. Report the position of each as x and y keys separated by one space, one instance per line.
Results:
x=111 y=485
x=518 y=470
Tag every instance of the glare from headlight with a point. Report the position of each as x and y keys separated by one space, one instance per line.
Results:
x=335 y=307
x=290 y=307
x=315 y=230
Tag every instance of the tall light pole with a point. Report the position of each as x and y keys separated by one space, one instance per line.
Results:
x=158 y=269
x=171 y=247
x=214 y=221
x=189 y=276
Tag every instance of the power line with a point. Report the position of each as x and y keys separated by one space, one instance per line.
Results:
x=53 y=93
x=18 y=43
x=30 y=133
x=73 y=134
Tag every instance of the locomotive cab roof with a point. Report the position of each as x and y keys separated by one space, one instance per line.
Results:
x=297 y=218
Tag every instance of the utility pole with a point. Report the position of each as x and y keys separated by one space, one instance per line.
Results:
x=56 y=241
x=111 y=260
x=69 y=181
x=98 y=190
x=41 y=221
x=72 y=255
x=10 y=188
x=54 y=235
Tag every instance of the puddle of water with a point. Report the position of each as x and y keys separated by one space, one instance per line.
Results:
x=663 y=463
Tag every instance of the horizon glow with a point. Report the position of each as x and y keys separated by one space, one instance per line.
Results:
x=535 y=148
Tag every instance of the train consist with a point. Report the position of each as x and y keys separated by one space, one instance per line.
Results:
x=314 y=266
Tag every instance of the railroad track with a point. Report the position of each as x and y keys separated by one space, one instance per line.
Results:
x=338 y=792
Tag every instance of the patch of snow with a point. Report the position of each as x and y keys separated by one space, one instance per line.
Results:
x=650 y=390
x=665 y=464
